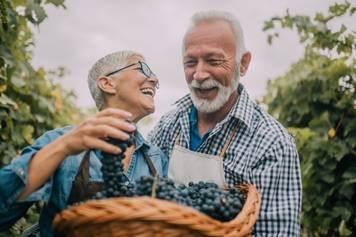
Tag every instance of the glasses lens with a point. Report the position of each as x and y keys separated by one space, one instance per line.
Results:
x=146 y=70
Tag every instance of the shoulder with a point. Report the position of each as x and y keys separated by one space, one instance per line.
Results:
x=48 y=137
x=268 y=126
x=269 y=134
x=169 y=118
x=56 y=132
x=166 y=124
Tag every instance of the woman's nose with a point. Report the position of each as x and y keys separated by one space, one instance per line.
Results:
x=154 y=80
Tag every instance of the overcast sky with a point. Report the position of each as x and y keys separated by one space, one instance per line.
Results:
x=87 y=30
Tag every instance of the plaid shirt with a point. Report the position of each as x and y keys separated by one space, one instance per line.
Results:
x=261 y=153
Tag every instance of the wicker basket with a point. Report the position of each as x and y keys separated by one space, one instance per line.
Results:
x=148 y=217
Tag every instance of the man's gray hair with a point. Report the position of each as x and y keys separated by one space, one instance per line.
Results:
x=203 y=16
x=103 y=66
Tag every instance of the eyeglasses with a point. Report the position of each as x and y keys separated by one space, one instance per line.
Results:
x=144 y=68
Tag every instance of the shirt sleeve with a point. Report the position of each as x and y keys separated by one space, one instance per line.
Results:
x=155 y=136
x=277 y=177
x=14 y=177
x=161 y=135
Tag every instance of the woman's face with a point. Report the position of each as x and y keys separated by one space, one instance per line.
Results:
x=134 y=90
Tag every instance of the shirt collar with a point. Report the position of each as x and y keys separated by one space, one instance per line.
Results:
x=242 y=109
x=139 y=142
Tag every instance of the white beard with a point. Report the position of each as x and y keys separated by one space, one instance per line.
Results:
x=224 y=93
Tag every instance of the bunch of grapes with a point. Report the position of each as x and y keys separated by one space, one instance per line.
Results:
x=116 y=183
x=205 y=197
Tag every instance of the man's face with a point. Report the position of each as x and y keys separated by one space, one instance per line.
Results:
x=209 y=64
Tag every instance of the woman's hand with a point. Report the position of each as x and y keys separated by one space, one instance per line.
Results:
x=93 y=133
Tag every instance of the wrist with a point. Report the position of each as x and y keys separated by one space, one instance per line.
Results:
x=60 y=147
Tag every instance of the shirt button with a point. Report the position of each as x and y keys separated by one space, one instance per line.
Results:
x=21 y=172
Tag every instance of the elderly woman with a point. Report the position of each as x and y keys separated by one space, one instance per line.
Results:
x=63 y=166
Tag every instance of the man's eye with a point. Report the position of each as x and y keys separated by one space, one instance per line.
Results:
x=215 y=62
x=189 y=63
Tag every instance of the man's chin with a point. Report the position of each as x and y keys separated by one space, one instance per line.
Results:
x=209 y=105
x=206 y=106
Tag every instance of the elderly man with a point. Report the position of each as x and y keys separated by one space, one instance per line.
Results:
x=217 y=133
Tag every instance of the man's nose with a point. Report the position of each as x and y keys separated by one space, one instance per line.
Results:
x=200 y=73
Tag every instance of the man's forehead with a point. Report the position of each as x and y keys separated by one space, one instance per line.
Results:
x=211 y=27
x=204 y=52
x=211 y=37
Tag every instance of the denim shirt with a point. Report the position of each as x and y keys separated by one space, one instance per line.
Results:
x=56 y=190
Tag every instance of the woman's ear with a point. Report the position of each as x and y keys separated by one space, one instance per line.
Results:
x=107 y=85
x=245 y=62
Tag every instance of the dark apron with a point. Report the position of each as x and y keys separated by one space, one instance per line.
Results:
x=83 y=189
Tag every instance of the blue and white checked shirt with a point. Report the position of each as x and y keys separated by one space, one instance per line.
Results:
x=262 y=153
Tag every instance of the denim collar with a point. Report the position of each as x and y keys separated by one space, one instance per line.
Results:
x=140 y=142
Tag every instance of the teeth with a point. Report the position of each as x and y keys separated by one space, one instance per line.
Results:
x=204 y=89
x=148 y=91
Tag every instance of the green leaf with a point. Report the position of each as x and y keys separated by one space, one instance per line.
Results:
x=350 y=173
x=4 y=100
x=35 y=12
x=268 y=25
x=27 y=132
x=269 y=39
x=352 y=11
x=343 y=230
x=18 y=81
x=56 y=2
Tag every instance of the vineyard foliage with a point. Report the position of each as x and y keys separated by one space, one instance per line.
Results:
x=316 y=100
x=31 y=101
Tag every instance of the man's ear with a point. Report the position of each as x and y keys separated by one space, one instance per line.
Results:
x=245 y=62
x=107 y=85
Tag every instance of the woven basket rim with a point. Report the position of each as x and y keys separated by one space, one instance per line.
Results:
x=82 y=214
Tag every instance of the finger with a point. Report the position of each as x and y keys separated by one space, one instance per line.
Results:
x=116 y=123
x=118 y=113
x=95 y=143
x=105 y=131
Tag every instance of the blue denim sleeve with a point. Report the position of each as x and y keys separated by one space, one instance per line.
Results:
x=13 y=179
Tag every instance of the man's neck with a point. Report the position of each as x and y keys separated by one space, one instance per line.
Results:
x=207 y=121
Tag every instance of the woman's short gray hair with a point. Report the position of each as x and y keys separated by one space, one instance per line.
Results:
x=104 y=66
x=203 y=16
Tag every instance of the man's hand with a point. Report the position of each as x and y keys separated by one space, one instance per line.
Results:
x=92 y=133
